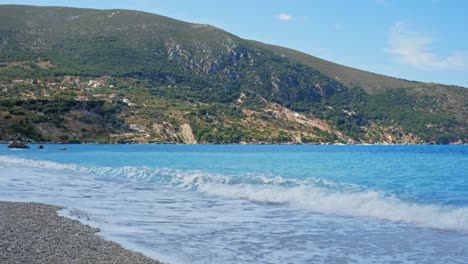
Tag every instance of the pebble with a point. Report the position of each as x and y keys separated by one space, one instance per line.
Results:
x=35 y=233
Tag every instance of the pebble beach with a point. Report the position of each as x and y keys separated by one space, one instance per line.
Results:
x=35 y=233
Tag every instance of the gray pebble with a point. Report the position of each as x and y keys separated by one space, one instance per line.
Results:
x=34 y=233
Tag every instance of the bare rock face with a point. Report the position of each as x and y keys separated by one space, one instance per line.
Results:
x=17 y=145
x=187 y=134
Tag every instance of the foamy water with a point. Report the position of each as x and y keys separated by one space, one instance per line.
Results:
x=225 y=204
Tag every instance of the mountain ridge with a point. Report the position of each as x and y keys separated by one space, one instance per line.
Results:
x=189 y=68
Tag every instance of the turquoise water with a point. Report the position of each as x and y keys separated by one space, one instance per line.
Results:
x=257 y=204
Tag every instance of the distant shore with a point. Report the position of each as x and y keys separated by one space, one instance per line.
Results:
x=247 y=143
x=35 y=233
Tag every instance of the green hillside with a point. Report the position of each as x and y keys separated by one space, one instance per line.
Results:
x=350 y=77
x=84 y=75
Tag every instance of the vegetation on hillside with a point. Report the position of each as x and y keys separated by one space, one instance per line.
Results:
x=79 y=75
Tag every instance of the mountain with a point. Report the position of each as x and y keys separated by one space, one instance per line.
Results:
x=84 y=75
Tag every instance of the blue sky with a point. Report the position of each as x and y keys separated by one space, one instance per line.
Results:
x=415 y=40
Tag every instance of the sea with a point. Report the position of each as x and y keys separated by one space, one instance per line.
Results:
x=257 y=203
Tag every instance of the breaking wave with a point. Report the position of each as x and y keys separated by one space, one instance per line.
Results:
x=312 y=194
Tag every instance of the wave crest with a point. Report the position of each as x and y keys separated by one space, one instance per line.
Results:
x=313 y=194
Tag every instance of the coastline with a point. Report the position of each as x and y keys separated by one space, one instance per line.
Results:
x=248 y=144
x=35 y=233
x=197 y=205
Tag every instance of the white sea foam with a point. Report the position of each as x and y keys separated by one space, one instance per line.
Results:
x=316 y=195
x=9 y=161
x=359 y=204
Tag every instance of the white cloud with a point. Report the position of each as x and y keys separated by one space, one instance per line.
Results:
x=414 y=49
x=284 y=17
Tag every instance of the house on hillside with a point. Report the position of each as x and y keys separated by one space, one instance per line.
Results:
x=81 y=98
x=136 y=127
